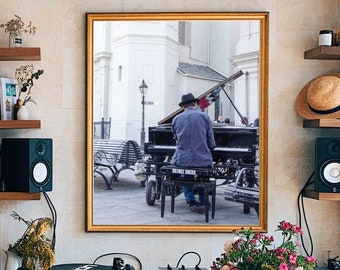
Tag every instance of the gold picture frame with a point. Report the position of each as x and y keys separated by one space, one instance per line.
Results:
x=262 y=19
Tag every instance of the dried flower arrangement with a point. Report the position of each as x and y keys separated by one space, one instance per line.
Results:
x=25 y=76
x=17 y=24
x=34 y=247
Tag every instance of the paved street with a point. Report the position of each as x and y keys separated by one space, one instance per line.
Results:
x=126 y=203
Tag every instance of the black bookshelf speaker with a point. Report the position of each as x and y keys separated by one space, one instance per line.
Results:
x=327 y=164
x=26 y=164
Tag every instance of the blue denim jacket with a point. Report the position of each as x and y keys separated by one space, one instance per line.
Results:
x=194 y=135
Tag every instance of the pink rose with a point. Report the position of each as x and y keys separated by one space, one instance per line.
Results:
x=285 y=226
x=296 y=229
x=283 y=266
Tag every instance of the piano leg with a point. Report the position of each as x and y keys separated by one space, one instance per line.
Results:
x=163 y=192
x=206 y=206
x=173 y=196
x=213 y=200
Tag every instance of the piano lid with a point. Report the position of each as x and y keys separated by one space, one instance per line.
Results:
x=206 y=99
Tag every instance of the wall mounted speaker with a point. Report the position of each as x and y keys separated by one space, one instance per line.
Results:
x=327 y=164
x=26 y=164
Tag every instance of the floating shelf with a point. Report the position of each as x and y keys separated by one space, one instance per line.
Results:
x=20 y=54
x=323 y=196
x=321 y=123
x=17 y=124
x=324 y=52
x=19 y=196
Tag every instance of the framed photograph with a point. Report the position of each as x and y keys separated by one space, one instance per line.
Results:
x=8 y=97
x=176 y=53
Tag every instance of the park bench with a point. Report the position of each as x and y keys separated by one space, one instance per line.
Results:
x=115 y=155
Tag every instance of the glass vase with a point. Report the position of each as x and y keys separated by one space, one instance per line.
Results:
x=15 y=39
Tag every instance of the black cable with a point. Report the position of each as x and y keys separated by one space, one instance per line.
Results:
x=300 y=198
x=199 y=258
x=54 y=219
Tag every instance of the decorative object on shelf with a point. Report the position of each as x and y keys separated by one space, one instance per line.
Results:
x=15 y=39
x=325 y=37
x=13 y=261
x=16 y=27
x=25 y=76
x=8 y=97
x=320 y=98
x=34 y=247
x=16 y=108
x=23 y=113
x=255 y=251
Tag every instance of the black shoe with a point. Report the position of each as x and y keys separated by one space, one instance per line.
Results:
x=196 y=207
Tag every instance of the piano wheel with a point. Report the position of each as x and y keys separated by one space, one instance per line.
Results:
x=151 y=192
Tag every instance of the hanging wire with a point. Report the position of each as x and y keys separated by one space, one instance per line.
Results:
x=54 y=219
x=302 y=208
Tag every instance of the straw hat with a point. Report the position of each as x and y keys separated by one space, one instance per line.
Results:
x=320 y=98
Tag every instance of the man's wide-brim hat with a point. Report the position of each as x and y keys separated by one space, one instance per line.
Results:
x=320 y=98
x=188 y=98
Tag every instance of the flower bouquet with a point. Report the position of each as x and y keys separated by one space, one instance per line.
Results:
x=25 y=76
x=255 y=251
x=17 y=24
x=15 y=28
x=34 y=246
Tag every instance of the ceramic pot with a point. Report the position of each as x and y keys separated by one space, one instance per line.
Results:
x=23 y=113
x=13 y=261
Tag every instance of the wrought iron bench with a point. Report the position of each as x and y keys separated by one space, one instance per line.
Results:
x=116 y=155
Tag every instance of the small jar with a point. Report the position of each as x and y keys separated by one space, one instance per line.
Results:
x=325 y=37
x=15 y=39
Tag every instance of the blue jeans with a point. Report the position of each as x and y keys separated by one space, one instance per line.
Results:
x=189 y=195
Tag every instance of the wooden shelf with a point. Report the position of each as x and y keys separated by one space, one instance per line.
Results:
x=19 y=196
x=20 y=54
x=323 y=196
x=16 y=124
x=324 y=52
x=321 y=123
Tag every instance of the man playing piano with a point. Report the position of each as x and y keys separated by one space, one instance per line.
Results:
x=194 y=137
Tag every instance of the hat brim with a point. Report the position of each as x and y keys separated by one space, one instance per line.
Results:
x=303 y=108
x=188 y=101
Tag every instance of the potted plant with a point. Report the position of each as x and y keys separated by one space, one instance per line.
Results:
x=25 y=77
x=256 y=251
x=15 y=28
x=34 y=247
